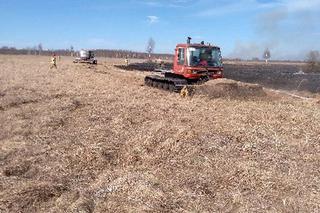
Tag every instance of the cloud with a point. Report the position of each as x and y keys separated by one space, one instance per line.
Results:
x=224 y=7
x=302 y=5
x=152 y=3
x=153 y=19
x=168 y=3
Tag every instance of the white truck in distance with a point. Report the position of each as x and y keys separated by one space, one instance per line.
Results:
x=86 y=56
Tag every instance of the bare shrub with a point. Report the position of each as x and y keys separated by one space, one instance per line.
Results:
x=266 y=55
x=150 y=47
x=313 y=60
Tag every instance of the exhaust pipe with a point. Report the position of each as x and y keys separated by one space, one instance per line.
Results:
x=189 y=40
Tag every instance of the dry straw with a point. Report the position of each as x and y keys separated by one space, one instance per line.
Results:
x=95 y=139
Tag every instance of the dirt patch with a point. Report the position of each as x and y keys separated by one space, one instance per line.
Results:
x=226 y=88
x=85 y=205
x=17 y=96
x=30 y=196
x=17 y=170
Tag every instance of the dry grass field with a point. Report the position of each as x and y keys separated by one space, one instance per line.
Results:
x=95 y=139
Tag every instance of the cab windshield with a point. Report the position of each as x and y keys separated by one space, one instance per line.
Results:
x=204 y=57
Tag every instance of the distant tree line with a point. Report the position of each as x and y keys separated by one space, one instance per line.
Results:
x=39 y=50
x=129 y=54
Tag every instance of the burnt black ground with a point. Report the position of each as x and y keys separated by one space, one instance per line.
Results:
x=286 y=76
x=276 y=76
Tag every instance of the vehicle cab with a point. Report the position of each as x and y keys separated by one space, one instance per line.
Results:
x=196 y=60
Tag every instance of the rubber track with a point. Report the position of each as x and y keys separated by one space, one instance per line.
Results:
x=172 y=85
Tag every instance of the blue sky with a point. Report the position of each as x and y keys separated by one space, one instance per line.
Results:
x=242 y=28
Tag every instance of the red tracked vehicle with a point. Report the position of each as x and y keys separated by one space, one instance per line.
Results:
x=192 y=64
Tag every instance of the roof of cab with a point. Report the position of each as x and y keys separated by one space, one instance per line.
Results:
x=196 y=45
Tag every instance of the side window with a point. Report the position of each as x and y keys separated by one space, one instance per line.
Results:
x=181 y=56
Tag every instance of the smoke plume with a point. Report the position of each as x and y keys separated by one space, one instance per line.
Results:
x=288 y=30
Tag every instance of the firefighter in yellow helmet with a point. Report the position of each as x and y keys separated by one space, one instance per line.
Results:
x=126 y=61
x=53 y=61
